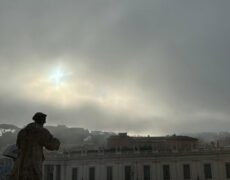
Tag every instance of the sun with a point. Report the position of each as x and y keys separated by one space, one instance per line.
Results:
x=58 y=76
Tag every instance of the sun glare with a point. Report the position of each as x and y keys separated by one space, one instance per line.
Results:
x=58 y=77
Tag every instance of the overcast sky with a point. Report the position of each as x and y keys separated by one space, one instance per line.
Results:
x=144 y=66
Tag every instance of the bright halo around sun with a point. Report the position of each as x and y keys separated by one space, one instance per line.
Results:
x=58 y=77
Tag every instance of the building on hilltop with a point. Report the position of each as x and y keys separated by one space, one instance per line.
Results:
x=164 y=143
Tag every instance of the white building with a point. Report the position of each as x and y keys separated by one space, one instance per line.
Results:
x=138 y=165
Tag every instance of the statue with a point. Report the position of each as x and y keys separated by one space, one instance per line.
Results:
x=30 y=143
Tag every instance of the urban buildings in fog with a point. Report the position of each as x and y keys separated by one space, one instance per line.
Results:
x=141 y=158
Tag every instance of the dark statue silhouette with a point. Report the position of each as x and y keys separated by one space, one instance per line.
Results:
x=30 y=143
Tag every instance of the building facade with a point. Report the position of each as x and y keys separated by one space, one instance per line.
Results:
x=159 y=144
x=138 y=165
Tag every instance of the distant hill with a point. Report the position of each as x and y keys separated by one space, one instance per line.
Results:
x=70 y=137
x=76 y=137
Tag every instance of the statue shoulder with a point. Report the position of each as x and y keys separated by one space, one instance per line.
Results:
x=45 y=131
x=22 y=132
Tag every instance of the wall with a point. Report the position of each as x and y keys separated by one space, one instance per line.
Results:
x=118 y=161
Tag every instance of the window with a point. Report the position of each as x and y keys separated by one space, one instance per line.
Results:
x=146 y=172
x=109 y=173
x=49 y=172
x=74 y=174
x=186 y=169
x=58 y=172
x=92 y=173
x=127 y=173
x=166 y=172
x=207 y=171
x=227 y=167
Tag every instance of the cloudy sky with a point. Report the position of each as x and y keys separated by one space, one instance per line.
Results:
x=143 y=66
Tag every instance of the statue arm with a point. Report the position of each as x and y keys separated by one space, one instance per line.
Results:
x=50 y=143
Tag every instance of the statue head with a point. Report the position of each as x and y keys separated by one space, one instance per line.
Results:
x=40 y=118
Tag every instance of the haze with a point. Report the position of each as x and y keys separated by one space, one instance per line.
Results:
x=147 y=67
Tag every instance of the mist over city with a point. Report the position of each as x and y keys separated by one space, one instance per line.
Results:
x=114 y=90
x=143 y=67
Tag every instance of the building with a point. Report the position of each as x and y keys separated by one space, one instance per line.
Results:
x=140 y=163
x=160 y=144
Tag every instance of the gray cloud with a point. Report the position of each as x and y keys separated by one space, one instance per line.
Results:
x=173 y=55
